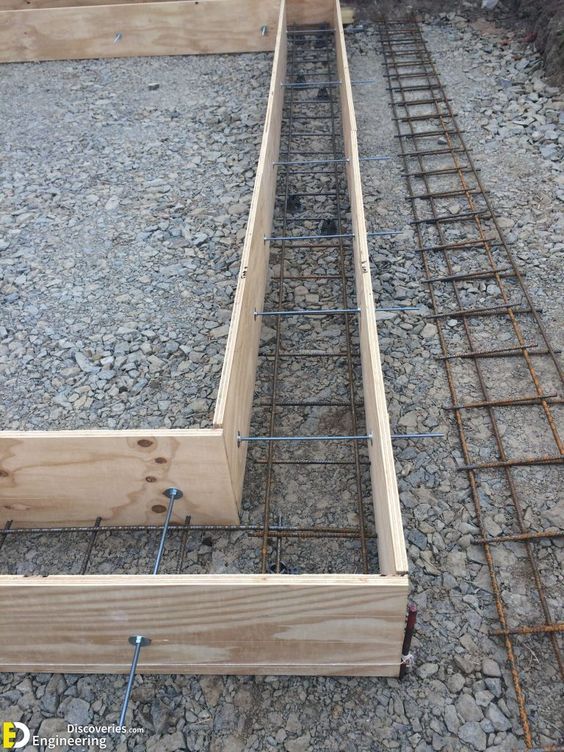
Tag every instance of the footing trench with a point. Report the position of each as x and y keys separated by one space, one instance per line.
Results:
x=314 y=579
x=503 y=375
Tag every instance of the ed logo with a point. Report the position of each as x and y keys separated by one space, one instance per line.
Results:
x=10 y=734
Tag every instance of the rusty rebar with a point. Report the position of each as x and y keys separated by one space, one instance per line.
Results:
x=425 y=79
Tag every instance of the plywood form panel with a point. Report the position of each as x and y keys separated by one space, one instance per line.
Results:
x=30 y=4
x=299 y=11
x=180 y=27
x=72 y=477
x=230 y=624
x=309 y=12
x=392 y=555
x=237 y=384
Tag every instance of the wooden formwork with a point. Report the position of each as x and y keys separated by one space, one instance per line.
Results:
x=297 y=624
x=78 y=29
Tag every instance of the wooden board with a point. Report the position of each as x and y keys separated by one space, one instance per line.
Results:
x=237 y=384
x=229 y=624
x=35 y=30
x=309 y=12
x=348 y=14
x=392 y=555
x=72 y=477
x=30 y=4
x=178 y=27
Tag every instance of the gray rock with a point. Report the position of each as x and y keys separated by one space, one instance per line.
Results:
x=427 y=669
x=429 y=331
x=170 y=743
x=409 y=420
x=499 y=721
x=160 y=715
x=490 y=668
x=54 y=727
x=472 y=734
x=455 y=683
x=84 y=363
x=301 y=744
x=494 y=685
x=468 y=709
x=112 y=204
x=78 y=711
x=451 y=719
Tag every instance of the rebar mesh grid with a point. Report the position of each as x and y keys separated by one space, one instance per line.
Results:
x=501 y=369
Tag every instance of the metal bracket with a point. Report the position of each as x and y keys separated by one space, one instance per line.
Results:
x=407 y=659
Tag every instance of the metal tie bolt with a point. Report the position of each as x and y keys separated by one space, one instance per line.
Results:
x=139 y=641
x=172 y=495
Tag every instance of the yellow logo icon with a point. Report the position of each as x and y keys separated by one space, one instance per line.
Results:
x=10 y=735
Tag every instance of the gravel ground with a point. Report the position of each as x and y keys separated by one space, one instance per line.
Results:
x=125 y=189
x=459 y=696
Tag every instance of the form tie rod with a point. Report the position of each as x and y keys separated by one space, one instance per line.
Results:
x=332 y=311
x=362 y=437
x=139 y=641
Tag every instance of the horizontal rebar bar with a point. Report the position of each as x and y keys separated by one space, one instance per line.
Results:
x=520 y=537
x=286 y=238
x=300 y=162
x=509 y=402
x=309 y=312
x=519 y=462
x=382 y=233
x=311 y=462
x=428 y=435
x=335 y=311
x=487 y=353
x=479 y=274
x=501 y=309
x=366 y=437
x=308 y=32
x=540 y=629
x=310 y=85
x=456 y=246
x=187 y=528
x=266 y=439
